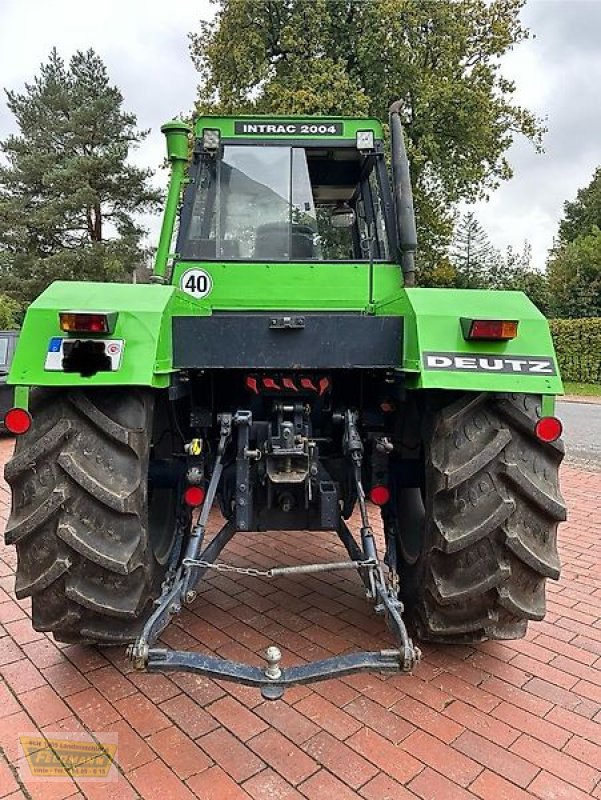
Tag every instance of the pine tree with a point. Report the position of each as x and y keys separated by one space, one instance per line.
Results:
x=68 y=196
x=472 y=255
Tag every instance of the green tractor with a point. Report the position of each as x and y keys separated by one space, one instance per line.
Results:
x=283 y=366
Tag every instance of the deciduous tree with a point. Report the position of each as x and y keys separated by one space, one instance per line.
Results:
x=584 y=213
x=574 y=273
x=440 y=57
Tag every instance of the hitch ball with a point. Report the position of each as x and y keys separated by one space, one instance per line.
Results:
x=273 y=656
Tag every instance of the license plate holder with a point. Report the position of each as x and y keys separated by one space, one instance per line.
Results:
x=60 y=347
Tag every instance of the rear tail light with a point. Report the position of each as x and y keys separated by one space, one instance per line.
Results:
x=87 y=322
x=491 y=329
x=548 y=429
x=17 y=421
x=194 y=496
x=379 y=495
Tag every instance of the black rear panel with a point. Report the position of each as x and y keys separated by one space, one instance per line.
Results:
x=287 y=340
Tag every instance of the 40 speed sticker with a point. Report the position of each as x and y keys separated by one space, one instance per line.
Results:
x=196 y=282
x=484 y=362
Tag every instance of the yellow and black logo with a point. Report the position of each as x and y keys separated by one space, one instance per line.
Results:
x=60 y=758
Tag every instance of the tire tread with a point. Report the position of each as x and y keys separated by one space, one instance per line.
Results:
x=78 y=516
x=488 y=472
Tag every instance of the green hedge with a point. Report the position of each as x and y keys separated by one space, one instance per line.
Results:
x=9 y=312
x=578 y=346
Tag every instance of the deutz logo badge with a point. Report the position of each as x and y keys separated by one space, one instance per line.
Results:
x=482 y=362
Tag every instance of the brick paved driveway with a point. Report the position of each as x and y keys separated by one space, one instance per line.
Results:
x=501 y=721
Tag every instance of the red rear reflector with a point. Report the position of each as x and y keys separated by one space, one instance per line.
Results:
x=17 y=421
x=194 y=496
x=289 y=384
x=499 y=329
x=251 y=383
x=76 y=322
x=379 y=495
x=324 y=385
x=269 y=383
x=548 y=429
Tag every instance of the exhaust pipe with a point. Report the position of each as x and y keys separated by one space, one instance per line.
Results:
x=403 y=196
x=176 y=134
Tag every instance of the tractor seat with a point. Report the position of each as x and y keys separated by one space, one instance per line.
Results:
x=202 y=249
x=275 y=242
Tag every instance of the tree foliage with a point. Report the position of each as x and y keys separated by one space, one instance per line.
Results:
x=584 y=213
x=574 y=265
x=517 y=273
x=472 y=255
x=441 y=58
x=474 y=263
x=9 y=312
x=68 y=196
x=574 y=271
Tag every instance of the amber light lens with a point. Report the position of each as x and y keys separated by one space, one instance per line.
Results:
x=84 y=323
x=548 y=429
x=194 y=496
x=493 y=329
x=17 y=421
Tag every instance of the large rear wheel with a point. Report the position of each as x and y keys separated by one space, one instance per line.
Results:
x=477 y=542
x=93 y=537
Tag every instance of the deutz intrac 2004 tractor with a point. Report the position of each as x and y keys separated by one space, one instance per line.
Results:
x=282 y=370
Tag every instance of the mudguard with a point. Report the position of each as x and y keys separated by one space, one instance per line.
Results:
x=143 y=325
x=437 y=355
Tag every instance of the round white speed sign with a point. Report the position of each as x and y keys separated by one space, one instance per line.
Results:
x=196 y=282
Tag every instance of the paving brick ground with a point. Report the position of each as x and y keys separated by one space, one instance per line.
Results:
x=500 y=721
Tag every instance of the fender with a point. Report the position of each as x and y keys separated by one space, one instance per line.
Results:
x=143 y=325
x=437 y=356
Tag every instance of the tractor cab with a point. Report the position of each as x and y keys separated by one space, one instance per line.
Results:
x=288 y=197
x=291 y=207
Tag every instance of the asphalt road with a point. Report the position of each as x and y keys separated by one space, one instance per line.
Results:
x=582 y=432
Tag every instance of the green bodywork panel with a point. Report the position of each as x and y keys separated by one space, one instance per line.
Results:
x=432 y=321
x=432 y=317
x=143 y=323
x=433 y=325
x=311 y=286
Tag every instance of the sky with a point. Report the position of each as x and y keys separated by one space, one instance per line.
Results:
x=144 y=44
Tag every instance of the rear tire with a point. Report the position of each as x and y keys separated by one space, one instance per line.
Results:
x=86 y=553
x=475 y=548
